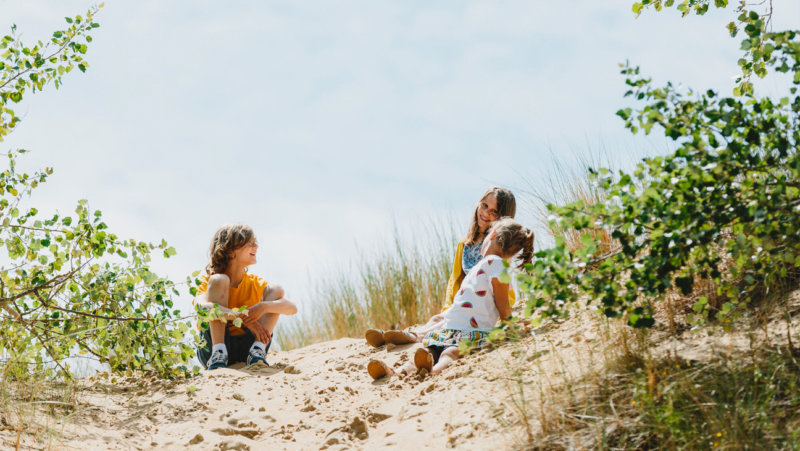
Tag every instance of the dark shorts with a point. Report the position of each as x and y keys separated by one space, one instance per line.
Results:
x=238 y=346
x=436 y=352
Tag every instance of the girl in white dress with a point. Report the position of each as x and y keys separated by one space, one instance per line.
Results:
x=481 y=301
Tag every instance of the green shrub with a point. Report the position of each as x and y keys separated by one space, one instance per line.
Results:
x=68 y=283
x=724 y=206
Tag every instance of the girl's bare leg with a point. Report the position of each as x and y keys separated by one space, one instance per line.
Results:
x=408 y=368
x=217 y=293
x=448 y=356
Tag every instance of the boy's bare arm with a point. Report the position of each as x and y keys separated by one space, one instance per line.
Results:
x=272 y=293
x=272 y=301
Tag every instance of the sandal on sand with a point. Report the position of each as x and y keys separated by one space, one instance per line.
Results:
x=375 y=337
x=378 y=369
x=423 y=359
x=399 y=337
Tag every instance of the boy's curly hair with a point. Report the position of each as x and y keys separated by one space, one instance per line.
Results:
x=227 y=239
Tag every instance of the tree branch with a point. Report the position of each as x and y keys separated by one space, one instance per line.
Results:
x=55 y=281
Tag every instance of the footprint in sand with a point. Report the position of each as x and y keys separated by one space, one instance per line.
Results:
x=237 y=446
x=249 y=433
x=291 y=370
x=377 y=417
x=355 y=429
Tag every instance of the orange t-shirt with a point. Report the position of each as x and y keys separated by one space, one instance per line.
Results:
x=247 y=294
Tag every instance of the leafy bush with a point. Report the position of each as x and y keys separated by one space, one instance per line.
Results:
x=724 y=206
x=68 y=284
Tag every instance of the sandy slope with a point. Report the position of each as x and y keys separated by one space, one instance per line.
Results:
x=320 y=397
x=316 y=397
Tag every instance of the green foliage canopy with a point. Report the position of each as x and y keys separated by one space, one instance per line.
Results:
x=724 y=206
x=69 y=285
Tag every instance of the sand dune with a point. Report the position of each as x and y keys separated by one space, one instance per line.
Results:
x=317 y=397
x=321 y=397
x=313 y=398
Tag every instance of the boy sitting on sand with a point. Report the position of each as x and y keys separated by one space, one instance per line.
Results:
x=229 y=286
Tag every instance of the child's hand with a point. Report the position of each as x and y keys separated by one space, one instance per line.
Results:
x=253 y=314
x=259 y=331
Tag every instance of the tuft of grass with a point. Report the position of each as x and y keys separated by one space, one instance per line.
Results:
x=565 y=184
x=33 y=407
x=636 y=396
x=395 y=287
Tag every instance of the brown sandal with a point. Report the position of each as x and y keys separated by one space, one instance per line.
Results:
x=378 y=369
x=399 y=337
x=375 y=337
x=423 y=359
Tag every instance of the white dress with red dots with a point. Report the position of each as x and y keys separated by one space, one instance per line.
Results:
x=473 y=307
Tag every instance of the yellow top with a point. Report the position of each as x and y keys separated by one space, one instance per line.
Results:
x=457 y=276
x=247 y=294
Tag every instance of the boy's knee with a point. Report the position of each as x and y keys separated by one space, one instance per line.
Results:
x=219 y=280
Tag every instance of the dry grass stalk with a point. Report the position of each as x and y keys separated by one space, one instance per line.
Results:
x=564 y=186
x=677 y=306
x=393 y=288
x=29 y=408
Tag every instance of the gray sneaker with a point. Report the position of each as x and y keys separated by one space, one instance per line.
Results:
x=218 y=360
x=257 y=356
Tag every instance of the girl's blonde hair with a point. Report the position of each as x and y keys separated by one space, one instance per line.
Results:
x=227 y=239
x=506 y=206
x=512 y=237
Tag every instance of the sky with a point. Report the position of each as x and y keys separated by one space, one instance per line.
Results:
x=325 y=124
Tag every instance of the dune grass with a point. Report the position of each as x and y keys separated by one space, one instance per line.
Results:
x=740 y=400
x=597 y=384
x=33 y=407
x=392 y=287
x=564 y=184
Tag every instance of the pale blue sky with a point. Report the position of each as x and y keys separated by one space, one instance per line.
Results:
x=319 y=123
